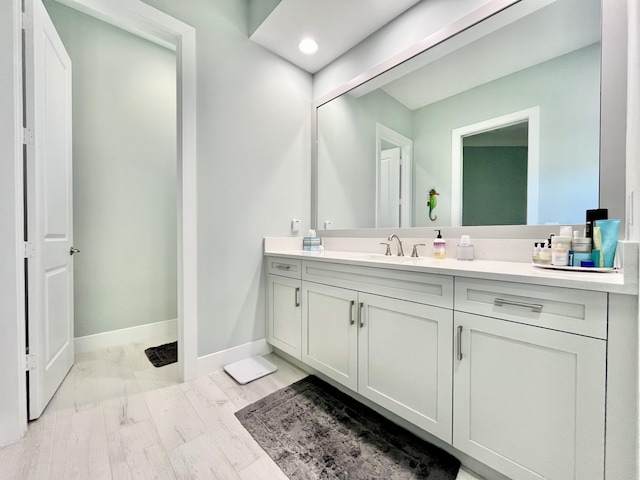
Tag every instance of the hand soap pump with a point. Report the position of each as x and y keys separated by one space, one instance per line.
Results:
x=439 y=246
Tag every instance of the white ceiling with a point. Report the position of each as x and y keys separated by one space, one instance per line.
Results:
x=337 y=26
x=520 y=37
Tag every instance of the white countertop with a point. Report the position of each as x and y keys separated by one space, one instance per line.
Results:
x=615 y=281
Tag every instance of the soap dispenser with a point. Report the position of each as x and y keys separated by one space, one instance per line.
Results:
x=439 y=246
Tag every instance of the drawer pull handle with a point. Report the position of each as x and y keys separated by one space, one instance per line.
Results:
x=360 y=314
x=535 y=307
x=351 y=320
x=459 y=343
x=297 y=296
x=280 y=266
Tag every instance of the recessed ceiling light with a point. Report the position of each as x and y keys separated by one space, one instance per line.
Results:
x=308 y=46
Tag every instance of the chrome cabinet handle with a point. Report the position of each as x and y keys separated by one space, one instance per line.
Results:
x=459 y=343
x=297 y=296
x=534 y=307
x=280 y=266
x=73 y=250
x=360 y=315
x=351 y=320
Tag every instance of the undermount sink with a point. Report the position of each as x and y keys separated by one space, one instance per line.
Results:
x=390 y=259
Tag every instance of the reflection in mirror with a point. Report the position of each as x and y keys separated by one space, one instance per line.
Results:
x=513 y=187
x=529 y=57
x=393 y=178
x=494 y=166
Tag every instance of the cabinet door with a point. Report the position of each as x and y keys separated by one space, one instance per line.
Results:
x=329 y=332
x=529 y=401
x=405 y=360
x=284 y=329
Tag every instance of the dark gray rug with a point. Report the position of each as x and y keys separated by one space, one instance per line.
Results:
x=163 y=354
x=314 y=431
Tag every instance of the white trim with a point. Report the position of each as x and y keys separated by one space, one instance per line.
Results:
x=406 y=146
x=215 y=361
x=154 y=25
x=125 y=336
x=532 y=115
x=13 y=400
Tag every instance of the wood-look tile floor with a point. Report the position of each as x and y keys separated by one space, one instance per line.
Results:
x=117 y=417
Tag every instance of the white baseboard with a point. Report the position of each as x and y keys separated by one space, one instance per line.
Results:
x=125 y=336
x=215 y=361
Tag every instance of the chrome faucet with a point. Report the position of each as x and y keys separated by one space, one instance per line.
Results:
x=400 y=252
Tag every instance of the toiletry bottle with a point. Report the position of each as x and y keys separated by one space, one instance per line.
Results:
x=535 y=257
x=465 y=248
x=545 y=254
x=559 y=256
x=439 y=246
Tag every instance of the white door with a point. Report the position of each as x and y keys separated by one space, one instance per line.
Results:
x=284 y=314
x=405 y=352
x=389 y=189
x=529 y=401
x=330 y=332
x=49 y=207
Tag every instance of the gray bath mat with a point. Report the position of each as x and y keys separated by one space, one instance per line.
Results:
x=163 y=354
x=313 y=431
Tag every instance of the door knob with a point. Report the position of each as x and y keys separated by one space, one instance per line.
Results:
x=73 y=250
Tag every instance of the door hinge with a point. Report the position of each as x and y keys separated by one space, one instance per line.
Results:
x=29 y=250
x=30 y=362
x=27 y=22
x=28 y=138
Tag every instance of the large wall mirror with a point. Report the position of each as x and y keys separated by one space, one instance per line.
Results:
x=500 y=120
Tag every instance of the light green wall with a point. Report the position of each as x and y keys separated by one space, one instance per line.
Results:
x=124 y=161
x=494 y=182
x=253 y=162
x=567 y=89
x=347 y=155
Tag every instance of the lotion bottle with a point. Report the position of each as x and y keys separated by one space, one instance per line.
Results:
x=559 y=256
x=439 y=246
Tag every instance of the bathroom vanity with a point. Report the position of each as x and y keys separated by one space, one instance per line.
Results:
x=502 y=361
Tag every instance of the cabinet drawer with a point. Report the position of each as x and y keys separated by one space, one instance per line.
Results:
x=436 y=290
x=565 y=309
x=288 y=267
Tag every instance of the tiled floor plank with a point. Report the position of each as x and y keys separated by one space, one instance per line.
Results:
x=262 y=469
x=217 y=412
x=136 y=452
x=174 y=417
x=80 y=445
x=201 y=458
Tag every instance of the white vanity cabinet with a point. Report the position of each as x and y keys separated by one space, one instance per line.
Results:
x=393 y=351
x=512 y=374
x=284 y=327
x=529 y=400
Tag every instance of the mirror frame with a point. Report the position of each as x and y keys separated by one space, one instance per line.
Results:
x=613 y=113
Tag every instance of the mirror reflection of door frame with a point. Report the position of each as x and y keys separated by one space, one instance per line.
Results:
x=530 y=115
x=384 y=133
